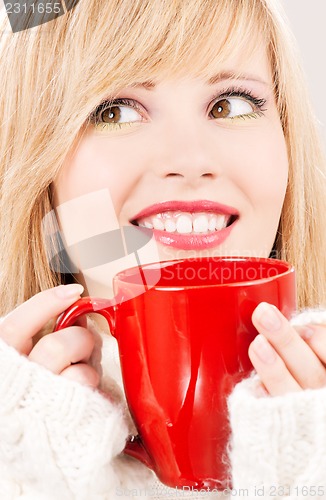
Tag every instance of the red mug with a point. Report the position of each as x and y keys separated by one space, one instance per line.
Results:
x=183 y=345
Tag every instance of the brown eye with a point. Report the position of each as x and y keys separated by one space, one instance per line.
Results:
x=111 y=114
x=221 y=109
x=118 y=112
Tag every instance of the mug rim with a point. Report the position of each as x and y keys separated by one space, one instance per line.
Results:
x=289 y=270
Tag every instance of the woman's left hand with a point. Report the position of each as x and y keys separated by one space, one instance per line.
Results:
x=287 y=358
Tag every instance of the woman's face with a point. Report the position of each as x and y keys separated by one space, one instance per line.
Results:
x=203 y=163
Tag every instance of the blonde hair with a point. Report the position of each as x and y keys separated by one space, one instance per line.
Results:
x=54 y=75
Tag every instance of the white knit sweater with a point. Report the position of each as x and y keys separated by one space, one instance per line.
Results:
x=63 y=441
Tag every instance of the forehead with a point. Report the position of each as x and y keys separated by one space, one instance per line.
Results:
x=255 y=63
x=233 y=37
x=209 y=61
x=254 y=67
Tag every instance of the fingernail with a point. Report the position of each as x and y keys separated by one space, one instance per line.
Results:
x=69 y=291
x=264 y=350
x=306 y=332
x=268 y=317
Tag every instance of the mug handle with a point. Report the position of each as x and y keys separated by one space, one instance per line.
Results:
x=86 y=305
x=134 y=446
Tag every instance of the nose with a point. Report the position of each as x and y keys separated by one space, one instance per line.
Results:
x=187 y=153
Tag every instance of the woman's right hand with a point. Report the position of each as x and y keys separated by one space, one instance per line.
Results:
x=66 y=352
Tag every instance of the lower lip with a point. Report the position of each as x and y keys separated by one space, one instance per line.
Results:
x=193 y=241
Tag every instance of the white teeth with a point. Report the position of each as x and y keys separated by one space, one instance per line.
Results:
x=212 y=223
x=200 y=224
x=221 y=222
x=184 y=224
x=170 y=225
x=158 y=224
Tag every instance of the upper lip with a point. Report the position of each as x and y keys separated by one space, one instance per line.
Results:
x=185 y=206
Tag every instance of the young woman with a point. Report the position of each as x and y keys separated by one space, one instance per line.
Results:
x=191 y=118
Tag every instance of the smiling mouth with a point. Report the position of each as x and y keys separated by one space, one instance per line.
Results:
x=187 y=223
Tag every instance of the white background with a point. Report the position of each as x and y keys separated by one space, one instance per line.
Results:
x=308 y=21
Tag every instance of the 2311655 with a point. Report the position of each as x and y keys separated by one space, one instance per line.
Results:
x=37 y=7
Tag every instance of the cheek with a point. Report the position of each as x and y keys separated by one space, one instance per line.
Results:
x=86 y=193
x=97 y=164
x=264 y=168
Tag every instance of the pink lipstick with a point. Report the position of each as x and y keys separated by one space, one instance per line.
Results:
x=188 y=225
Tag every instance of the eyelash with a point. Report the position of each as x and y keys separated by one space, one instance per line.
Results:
x=246 y=94
x=94 y=117
x=258 y=103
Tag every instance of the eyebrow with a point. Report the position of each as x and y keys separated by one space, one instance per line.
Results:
x=219 y=77
x=232 y=75
x=146 y=85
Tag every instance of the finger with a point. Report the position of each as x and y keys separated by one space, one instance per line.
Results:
x=259 y=389
x=315 y=337
x=83 y=374
x=271 y=369
x=300 y=360
x=19 y=326
x=58 y=350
